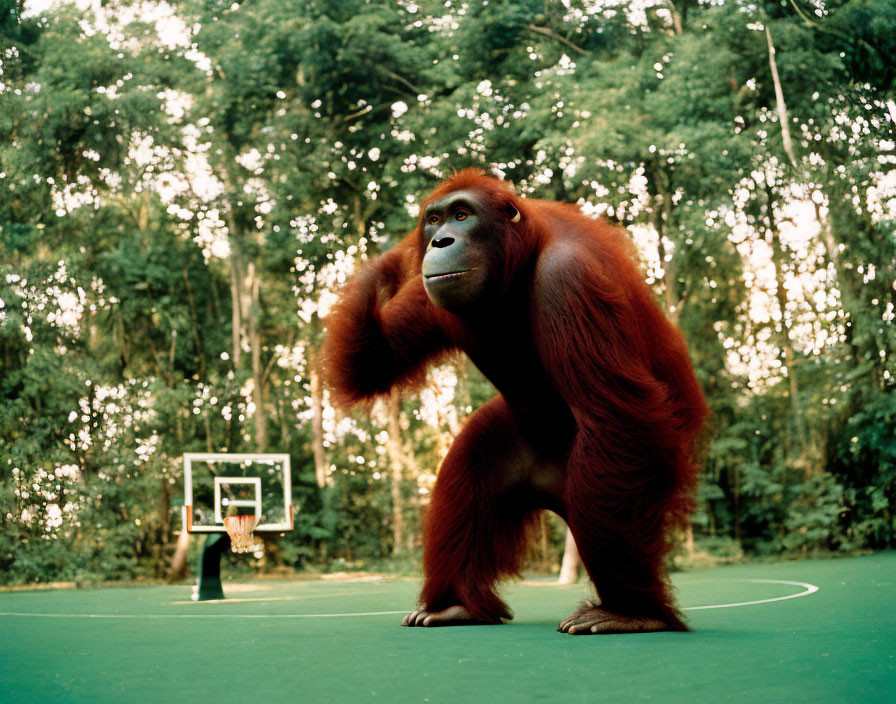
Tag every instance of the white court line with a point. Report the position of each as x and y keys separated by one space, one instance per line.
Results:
x=360 y=613
x=809 y=589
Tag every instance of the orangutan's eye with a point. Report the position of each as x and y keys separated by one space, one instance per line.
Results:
x=433 y=219
x=461 y=215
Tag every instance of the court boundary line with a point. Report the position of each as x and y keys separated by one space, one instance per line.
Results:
x=808 y=589
x=359 y=613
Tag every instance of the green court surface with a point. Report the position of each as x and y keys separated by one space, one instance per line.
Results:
x=340 y=641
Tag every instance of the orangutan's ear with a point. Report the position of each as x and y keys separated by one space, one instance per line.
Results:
x=513 y=212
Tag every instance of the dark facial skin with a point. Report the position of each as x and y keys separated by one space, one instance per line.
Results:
x=456 y=266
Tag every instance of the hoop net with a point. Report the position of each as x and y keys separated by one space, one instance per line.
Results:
x=241 y=531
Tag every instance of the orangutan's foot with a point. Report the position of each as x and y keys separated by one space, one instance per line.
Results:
x=452 y=616
x=590 y=618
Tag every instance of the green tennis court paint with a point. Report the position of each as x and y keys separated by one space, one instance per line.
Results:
x=291 y=641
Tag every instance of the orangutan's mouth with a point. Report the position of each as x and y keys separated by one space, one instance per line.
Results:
x=447 y=276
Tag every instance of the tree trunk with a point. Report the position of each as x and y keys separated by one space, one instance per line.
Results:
x=411 y=475
x=236 y=297
x=179 y=568
x=317 y=425
x=786 y=337
x=661 y=213
x=207 y=423
x=200 y=349
x=394 y=453
x=164 y=521
x=689 y=539
x=254 y=334
x=543 y=538
x=783 y=119
x=849 y=295
x=246 y=314
x=677 y=24
x=569 y=569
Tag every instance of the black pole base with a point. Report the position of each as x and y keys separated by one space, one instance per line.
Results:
x=209 y=586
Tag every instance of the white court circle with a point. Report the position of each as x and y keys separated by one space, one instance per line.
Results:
x=807 y=590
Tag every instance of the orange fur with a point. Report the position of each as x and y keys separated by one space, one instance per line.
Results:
x=594 y=383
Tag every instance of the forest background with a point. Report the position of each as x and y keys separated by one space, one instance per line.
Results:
x=184 y=186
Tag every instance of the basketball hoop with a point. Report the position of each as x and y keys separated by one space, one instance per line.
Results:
x=241 y=530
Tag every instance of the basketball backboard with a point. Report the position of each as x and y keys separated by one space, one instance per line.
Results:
x=218 y=485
